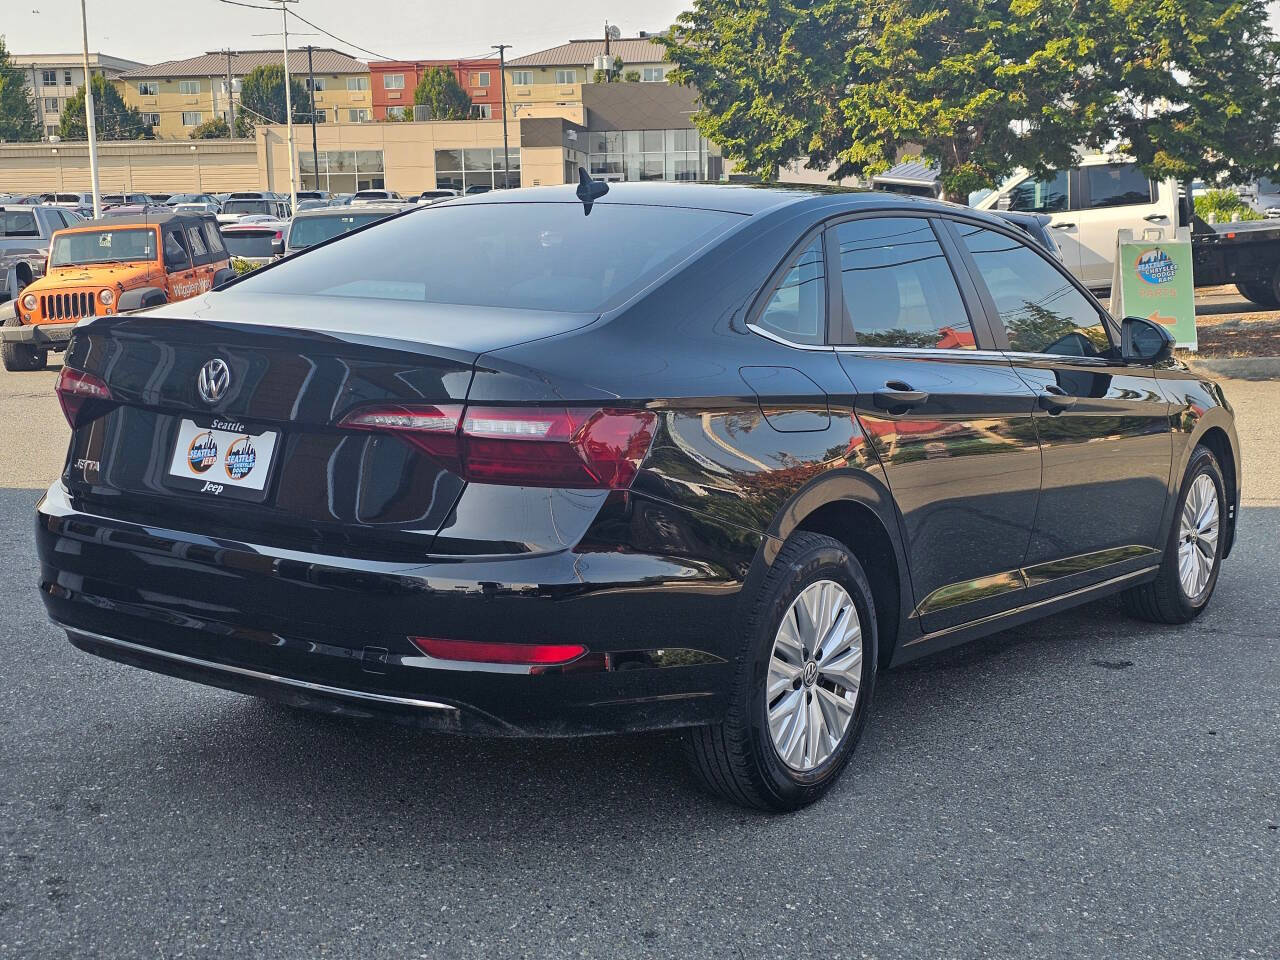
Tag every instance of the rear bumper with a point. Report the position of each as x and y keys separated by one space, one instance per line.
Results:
x=331 y=633
x=53 y=335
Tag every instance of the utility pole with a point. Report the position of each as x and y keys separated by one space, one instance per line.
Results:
x=90 y=124
x=231 y=98
x=288 y=105
x=502 y=77
x=315 y=154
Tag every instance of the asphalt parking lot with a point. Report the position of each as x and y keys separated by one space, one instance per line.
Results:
x=1088 y=786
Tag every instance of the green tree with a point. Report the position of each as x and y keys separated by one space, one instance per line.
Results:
x=981 y=87
x=112 y=118
x=17 y=111
x=262 y=99
x=439 y=89
x=215 y=129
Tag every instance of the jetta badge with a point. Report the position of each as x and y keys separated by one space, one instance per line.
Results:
x=214 y=380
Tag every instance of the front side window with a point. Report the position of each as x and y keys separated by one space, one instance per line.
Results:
x=1041 y=196
x=357 y=83
x=534 y=256
x=148 y=88
x=103 y=246
x=1117 y=185
x=1042 y=311
x=522 y=78
x=189 y=87
x=175 y=254
x=566 y=76
x=797 y=311
x=393 y=81
x=899 y=290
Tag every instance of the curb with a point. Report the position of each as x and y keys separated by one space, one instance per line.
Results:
x=1238 y=368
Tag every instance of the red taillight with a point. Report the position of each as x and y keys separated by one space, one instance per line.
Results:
x=522 y=446
x=75 y=389
x=473 y=651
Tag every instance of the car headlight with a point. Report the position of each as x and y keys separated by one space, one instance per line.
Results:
x=107 y=297
x=29 y=301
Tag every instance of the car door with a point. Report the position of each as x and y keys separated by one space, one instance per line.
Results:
x=179 y=272
x=1114 y=196
x=201 y=259
x=1103 y=426
x=949 y=418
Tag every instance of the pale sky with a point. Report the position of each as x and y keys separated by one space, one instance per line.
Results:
x=155 y=30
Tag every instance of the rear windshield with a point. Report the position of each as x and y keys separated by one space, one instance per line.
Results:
x=372 y=195
x=103 y=246
x=249 y=243
x=542 y=256
x=308 y=231
x=247 y=206
x=18 y=223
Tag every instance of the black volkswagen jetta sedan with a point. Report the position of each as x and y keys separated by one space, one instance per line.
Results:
x=675 y=456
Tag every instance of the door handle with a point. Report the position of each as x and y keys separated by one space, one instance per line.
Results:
x=1063 y=226
x=1156 y=218
x=1054 y=400
x=896 y=395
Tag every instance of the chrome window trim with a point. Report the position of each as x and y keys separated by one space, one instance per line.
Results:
x=932 y=352
x=769 y=335
x=1063 y=358
x=258 y=674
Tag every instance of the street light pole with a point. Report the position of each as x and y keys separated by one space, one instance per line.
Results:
x=502 y=78
x=231 y=99
x=315 y=153
x=288 y=106
x=90 y=123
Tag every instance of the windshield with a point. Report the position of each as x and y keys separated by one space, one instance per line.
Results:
x=542 y=256
x=249 y=243
x=308 y=231
x=246 y=206
x=103 y=246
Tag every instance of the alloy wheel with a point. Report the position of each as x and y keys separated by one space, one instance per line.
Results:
x=1198 y=537
x=815 y=670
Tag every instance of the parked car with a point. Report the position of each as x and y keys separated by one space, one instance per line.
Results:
x=210 y=207
x=256 y=237
x=241 y=205
x=110 y=200
x=323 y=195
x=375 y=196
x=311 y=205
x=102 y=268
x=25 y=234
x=1087 y=205
x=310 y=227
x=435 y=196
x=546 y=483
x=208 y=198
x=81 y=203
x=1036 y=226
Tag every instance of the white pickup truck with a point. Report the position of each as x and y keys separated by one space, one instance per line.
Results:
x=1087 y=205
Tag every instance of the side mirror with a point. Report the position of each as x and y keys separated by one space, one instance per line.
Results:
x=1144 y=342
x=277 y=246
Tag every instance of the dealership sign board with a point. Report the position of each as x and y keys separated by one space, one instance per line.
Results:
x=1152 y=279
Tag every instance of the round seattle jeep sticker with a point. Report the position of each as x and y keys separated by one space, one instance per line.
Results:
x=203 y=452
x=241 y=458
x=1156 y=266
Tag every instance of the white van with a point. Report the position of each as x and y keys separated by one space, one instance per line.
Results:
x=1087 y=205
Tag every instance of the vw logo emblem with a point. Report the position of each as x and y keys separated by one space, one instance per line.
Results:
x=810 y=674
x=214 y=380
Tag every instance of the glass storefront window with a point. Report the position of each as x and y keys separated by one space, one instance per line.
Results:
x=342 y=171
x=476 y=169
x=647 y=154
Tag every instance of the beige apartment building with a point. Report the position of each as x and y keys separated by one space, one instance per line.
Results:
x=179 y=95
x=53 y=78
x=550 y=83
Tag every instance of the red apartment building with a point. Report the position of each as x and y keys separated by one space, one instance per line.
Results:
x=393 y=82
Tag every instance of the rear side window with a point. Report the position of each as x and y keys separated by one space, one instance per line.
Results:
x=539 y=256
x=213 y=237
x=198 y=249
x=18 y=223
x=899 y=290
x=1041 y=196
x=797 y=311
x=308 y=231
x=1041 y=309
x=1117 y=185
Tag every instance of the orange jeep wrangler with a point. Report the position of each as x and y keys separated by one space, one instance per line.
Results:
x=110 y=266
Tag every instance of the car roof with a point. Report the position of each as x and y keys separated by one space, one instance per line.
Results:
x=151 y=219
x=388 y=208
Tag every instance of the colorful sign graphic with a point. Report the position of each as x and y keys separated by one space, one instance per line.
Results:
x=1153 y=279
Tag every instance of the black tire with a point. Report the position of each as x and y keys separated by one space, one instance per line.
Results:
x=736 y=758
x=1263 y=294
x=1164 y=600
x=20 y=357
